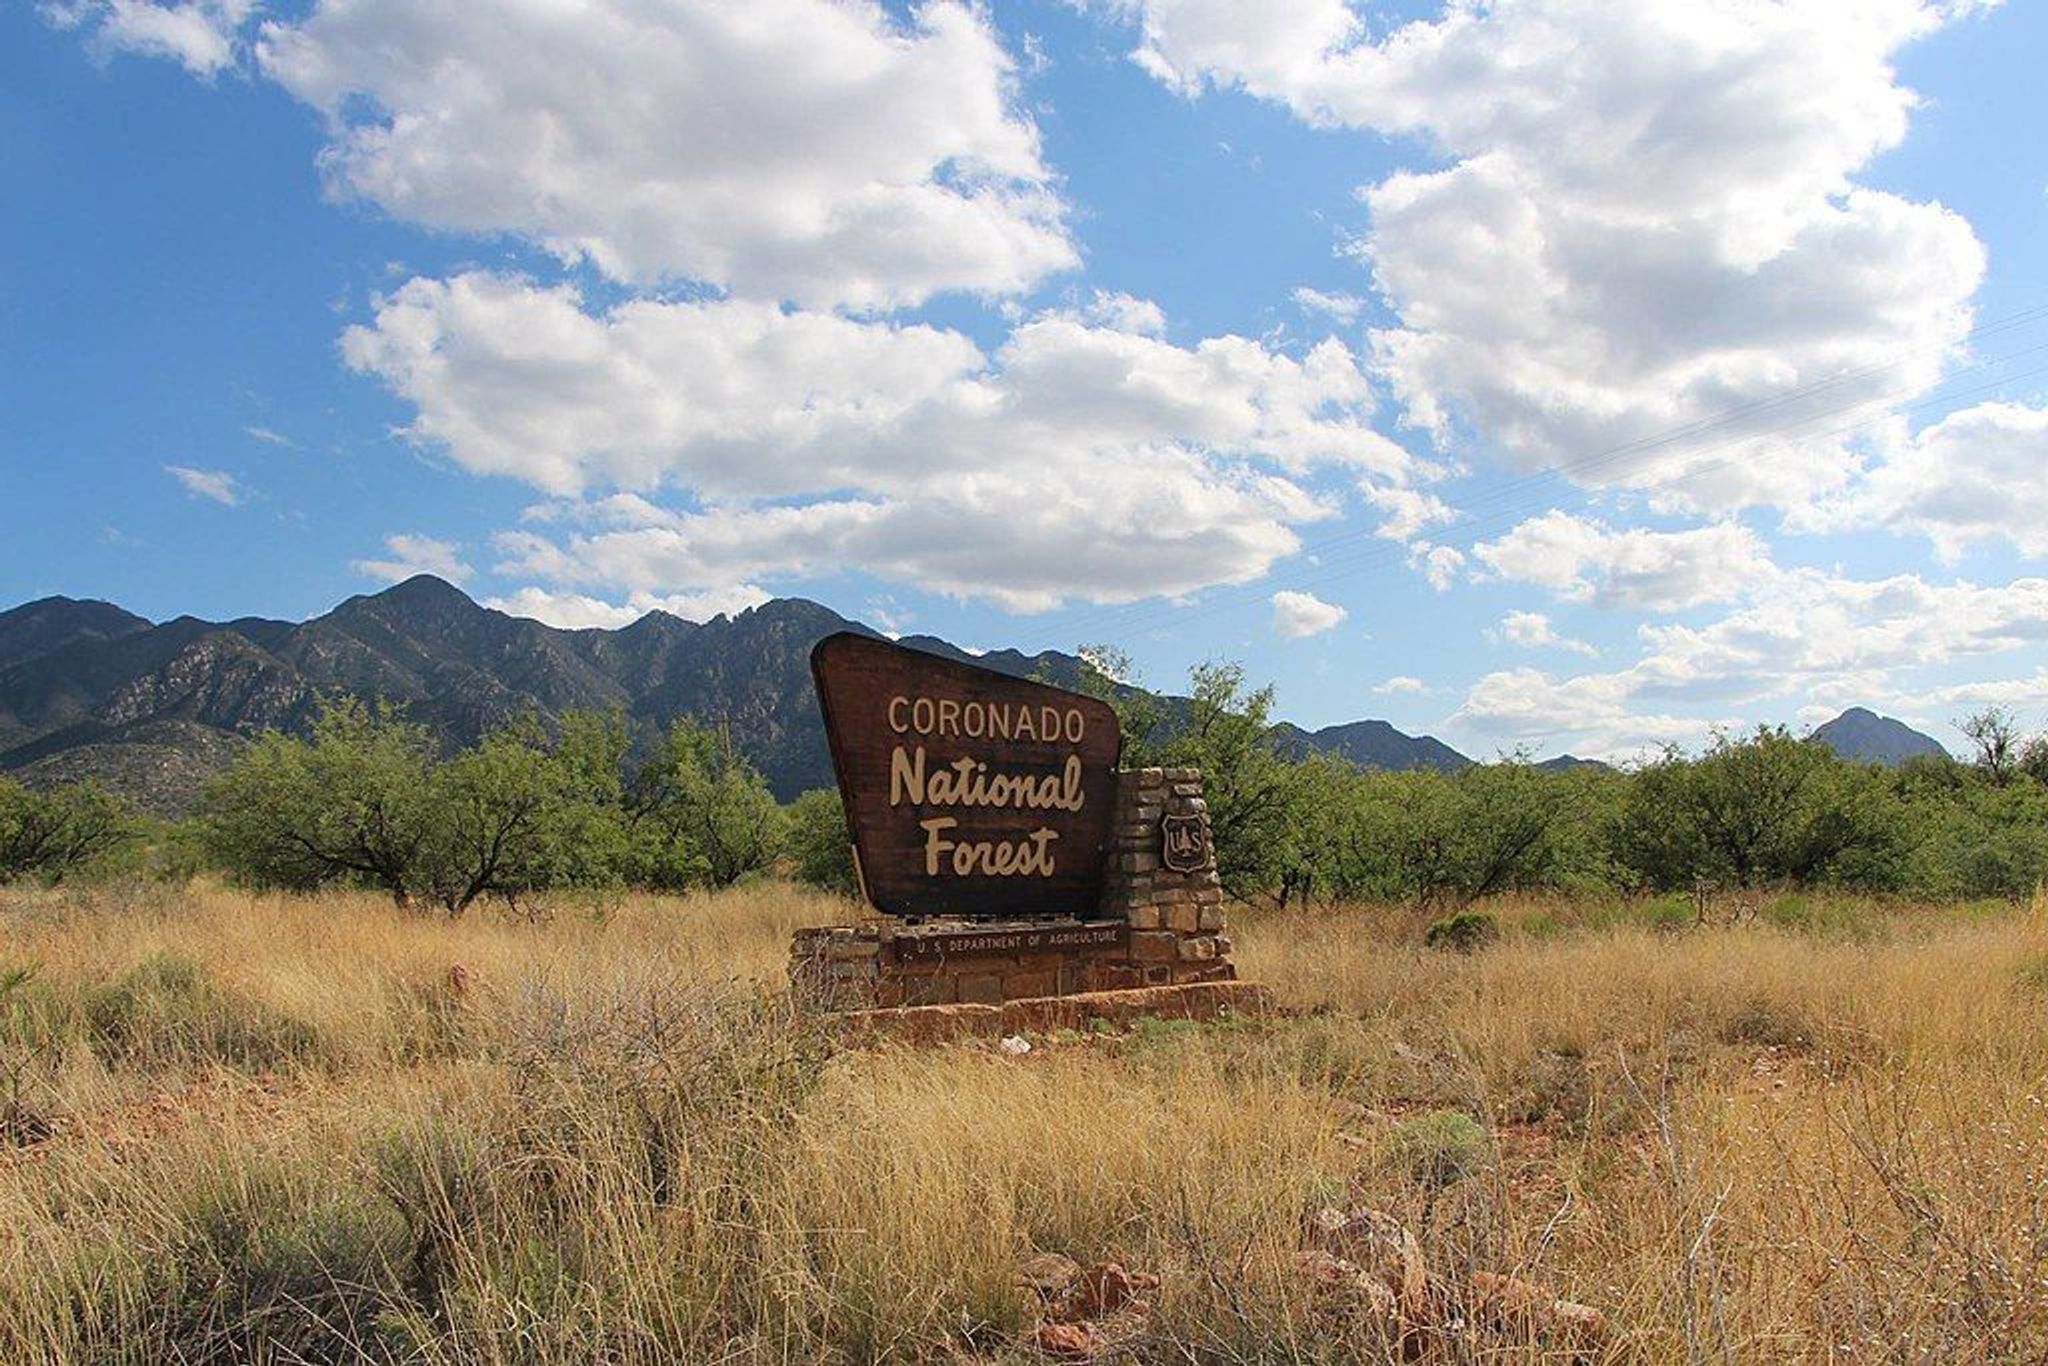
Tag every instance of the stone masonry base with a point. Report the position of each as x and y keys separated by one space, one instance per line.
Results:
x=1154 y=927
x=885 y=964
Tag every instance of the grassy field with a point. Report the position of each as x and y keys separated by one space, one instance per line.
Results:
x=241 y=1129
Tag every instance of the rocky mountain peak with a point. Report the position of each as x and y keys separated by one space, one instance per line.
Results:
x=1860 y=733
x=47 y=624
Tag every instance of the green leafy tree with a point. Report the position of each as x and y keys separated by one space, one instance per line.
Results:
x=705 y=815
x=819 y=846
x=489 y=808
x=1499 y=831
x=1252 y=792
x=584 y=839
x=1996 y=738
x=352 y=804
x=1108 y=675
x=365 y=802
x=1765 y=808
x=54 y=833
x=2033 y=758
x=1329 y=850
x=1448 y=839
x=1992 y=841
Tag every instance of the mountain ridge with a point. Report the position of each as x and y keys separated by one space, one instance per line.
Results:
x=88 y=688
x=1369 y=744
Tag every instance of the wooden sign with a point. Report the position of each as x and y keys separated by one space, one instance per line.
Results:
x=968 y=792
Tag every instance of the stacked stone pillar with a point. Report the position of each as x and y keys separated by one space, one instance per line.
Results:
x=1176 y=917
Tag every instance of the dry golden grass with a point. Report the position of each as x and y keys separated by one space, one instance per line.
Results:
x=290 y=1129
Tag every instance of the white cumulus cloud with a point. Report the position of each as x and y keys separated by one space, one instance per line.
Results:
x=574 y=611
x=1534 y=631
x=811 y=150
x=1644 y=254
x=1806 y=636
x=1077 y=460
x=203 y=36
x=409 y=553
x=1439 y=564
x=1588 y=561
x=1297 y=614
x=1339 y=305
x=1980 y=474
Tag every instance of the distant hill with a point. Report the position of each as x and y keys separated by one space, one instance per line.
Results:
x=1369 y=744
x=153 y=710
x=1860 y=733
x=1565 y=763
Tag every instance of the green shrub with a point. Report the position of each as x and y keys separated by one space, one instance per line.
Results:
x=164 y=1010
x=369 y=800
x=702 y=813
x=1789 y=912
x=1668 y=914
x=1441 y=1148
x=54 y=833
x=1767 y=1021
x=2032 y=974
x=1834 y=917
x=820 y=848
x=254 y=1260
x=1463 y=932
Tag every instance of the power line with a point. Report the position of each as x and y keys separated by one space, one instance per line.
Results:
x=1376 y=555
x=1713 y=420
x=1109 y=616
x=1141 y=615
x=1507 y=520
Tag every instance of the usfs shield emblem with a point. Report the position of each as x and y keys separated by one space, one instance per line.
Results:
x=1183 y=843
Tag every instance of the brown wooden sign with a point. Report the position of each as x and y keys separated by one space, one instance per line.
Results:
x=968 y=792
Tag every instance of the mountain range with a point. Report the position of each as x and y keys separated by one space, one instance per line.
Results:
x=153 y=709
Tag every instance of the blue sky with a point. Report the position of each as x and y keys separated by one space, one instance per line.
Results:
x=1537 y=374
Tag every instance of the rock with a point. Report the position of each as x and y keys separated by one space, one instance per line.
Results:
x=1051 y=1274
x=1102 y=1289
x=22 y=1127
x=1383 y=1246
x=1346 y=1286
x=1580 y=1323
x=1351 y=1112
x=1066 y=1341
x=1015 y=1045
x=1530 y=1309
